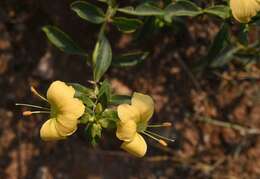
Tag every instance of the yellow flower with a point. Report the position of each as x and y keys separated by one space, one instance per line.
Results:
x=133 y=120
x=244 y=10
x=65 y=111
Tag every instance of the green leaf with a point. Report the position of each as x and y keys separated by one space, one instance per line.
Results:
x=62 y=41
x=120 y=99
x=104 y=122
x=86 y=100
x=93 y=133
x=220 y=42
x=88 y=12
x=129 y=59
x=110 y=113
x=83 y=93
x=145 y=9
x=104 y=93
x=102 y=57
x=96 y=130
x=243 y=34
x=107 y=123
x=99 y=108
x=182 y=8
x=109 y=2
x=109 y=119
x=224 y=57
x=85 y=118
x=81 y=89
x=126 y=25
x=221 y=11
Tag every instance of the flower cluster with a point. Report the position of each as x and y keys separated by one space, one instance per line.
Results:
x=67 y=112
x=244 y=10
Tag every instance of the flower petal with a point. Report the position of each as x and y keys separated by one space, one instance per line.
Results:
x=72 y=107
x=136 y=147
x=126 y=130
x=244 y=10
x=66 y=126
x=127 y=112
x=144 y=104
x=49 y=132
x=59 y=92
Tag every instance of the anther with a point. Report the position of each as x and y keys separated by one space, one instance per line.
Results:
x=27 y=113
x=167 y=124
x=163 y=143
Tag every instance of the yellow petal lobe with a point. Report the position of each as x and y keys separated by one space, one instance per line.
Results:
x=126 y=131
x=244 y=10
x=136 y=147
x=144 y=104
x=49 y=132
x=59 y=92
x=128 y=112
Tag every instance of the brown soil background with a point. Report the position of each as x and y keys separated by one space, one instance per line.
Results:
x=201 y=150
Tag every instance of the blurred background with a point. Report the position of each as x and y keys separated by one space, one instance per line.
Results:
x=215 y=114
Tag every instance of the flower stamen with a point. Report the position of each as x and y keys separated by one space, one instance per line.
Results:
x=33 y=90
x=160 y=141
x=31 y=105
x=28 y=113
x=162 y=137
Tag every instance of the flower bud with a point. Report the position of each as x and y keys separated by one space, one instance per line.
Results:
x=244 y=10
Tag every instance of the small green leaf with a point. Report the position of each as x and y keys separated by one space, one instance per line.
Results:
x=104 y=122
x=96 y=130
x=62 y=41
x=126 y=25
x=109 y=2
x=109 y=119
x=81 y=89
x=83 y=93
x=107 y=123
x=120 y=99
x=182 y=8
x=243 y=34
x=221 y=11
x=104 y=93
x=129 y=59
x=219 y=43
x=102 y=57
x=85 y=118
x=86 y=100
x=88 y=12
x=146 y=9
x=110 y=113
x=99 y=108
x=224 y=57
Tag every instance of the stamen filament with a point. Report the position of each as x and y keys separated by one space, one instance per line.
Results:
x=162 y=137
x=162 y=142
x=30 y=105
x=28 y=113
x=33 y=90
x=165 y=124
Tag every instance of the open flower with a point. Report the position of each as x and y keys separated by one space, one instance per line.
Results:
x=244 y=10
x=133 y=121
x=64 y=111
